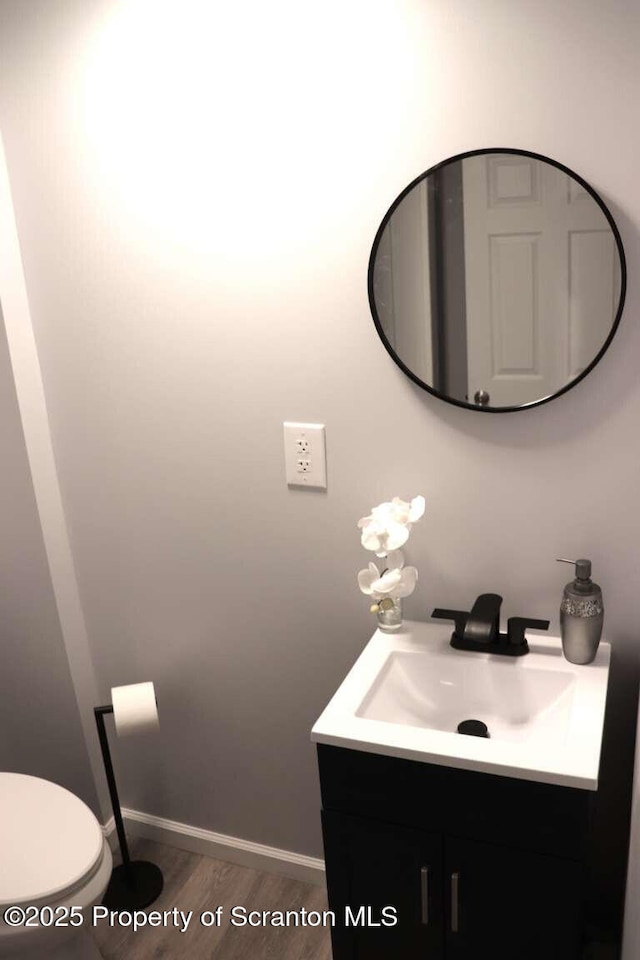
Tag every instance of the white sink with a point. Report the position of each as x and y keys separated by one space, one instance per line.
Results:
x=408 y=691
x=435 y=690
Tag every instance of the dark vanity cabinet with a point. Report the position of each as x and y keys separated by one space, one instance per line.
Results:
x=469 y=865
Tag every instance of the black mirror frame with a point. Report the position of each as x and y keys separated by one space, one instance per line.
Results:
x=623 y=280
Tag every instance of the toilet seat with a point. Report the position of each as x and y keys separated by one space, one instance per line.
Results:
x=50 y=841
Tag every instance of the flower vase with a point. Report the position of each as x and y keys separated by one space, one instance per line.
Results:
x=391 y=618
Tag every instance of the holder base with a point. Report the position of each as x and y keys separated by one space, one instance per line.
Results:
x=133 y=886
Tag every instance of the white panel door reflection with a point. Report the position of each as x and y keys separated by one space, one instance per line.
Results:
x=542 y=278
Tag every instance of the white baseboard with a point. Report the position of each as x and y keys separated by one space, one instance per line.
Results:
x=246 y=853
x=109 y=831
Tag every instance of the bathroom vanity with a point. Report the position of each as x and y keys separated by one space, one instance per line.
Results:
x=480 y=847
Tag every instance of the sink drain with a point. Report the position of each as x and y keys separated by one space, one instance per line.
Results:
x=473 y=728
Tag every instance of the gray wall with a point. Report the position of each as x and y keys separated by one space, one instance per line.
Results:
x=40 y=731
x=196 y=203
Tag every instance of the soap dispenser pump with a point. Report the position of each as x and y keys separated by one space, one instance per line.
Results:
x=581 y=615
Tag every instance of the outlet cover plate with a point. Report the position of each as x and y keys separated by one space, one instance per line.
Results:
x=305 y=455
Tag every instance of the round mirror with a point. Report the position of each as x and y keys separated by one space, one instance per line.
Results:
x=497 y=279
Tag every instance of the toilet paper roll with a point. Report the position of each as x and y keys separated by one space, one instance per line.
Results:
x=134 y=708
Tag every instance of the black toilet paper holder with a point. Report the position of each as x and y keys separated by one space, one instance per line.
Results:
x=134 y=884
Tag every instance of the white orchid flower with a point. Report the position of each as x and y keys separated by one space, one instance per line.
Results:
x=388 y=526
x=395 y=582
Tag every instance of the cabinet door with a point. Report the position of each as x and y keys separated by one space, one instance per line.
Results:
x=376 y=866
x=503 y=903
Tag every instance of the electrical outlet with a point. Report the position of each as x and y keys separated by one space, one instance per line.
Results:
x=304 y=455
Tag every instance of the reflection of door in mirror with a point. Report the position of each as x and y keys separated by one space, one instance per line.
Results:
x=542 y=277
x=401 y=283
x=496 y=279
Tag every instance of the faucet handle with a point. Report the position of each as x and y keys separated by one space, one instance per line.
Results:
x=458 y=616
x=516 y=627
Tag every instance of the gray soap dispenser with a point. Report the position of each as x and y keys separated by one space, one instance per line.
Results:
x=581 y=615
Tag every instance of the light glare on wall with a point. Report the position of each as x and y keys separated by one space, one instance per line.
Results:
x=214 y=123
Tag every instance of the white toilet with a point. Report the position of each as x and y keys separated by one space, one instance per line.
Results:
x=52 y=854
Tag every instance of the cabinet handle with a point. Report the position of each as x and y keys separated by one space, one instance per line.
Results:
x=455 y=880
x=424 y=894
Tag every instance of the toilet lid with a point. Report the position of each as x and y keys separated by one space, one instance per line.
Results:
x=49 y=840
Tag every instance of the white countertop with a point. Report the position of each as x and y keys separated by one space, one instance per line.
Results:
x=411 y=676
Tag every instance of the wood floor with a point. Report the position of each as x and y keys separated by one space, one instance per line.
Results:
x=197 y=883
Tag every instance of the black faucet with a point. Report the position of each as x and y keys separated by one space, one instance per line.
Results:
x=480 y=629
x=483 y=623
